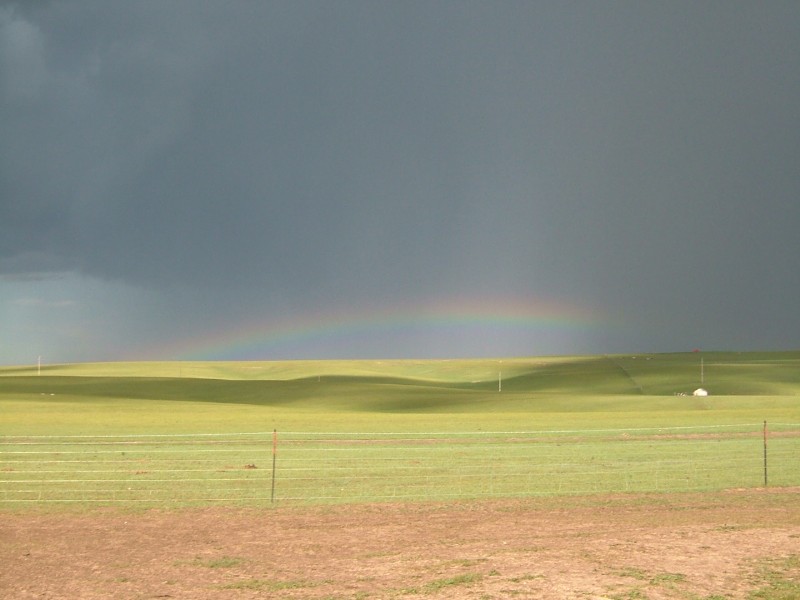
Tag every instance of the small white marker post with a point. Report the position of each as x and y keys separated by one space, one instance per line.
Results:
x=500 y=381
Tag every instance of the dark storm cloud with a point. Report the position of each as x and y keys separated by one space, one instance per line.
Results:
x=638 y=157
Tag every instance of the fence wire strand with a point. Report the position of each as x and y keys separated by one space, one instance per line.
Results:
x=315 y=467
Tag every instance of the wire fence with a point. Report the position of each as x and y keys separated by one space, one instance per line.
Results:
x=323 y=467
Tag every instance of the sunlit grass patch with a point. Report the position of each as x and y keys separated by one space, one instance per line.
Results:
x=189 y=434
x=778 y=579
x=267 y=585
x=223 y=562
x=437 y=585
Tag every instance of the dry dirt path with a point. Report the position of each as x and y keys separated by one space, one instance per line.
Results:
x=696 y=546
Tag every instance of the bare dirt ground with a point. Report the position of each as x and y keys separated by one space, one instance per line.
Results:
x=735 y=544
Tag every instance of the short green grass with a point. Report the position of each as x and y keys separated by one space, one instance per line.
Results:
x=780 y=579
x=437 y=585
x=537 y=393
x=266 y=585
x=361 y=430
x=224 y=562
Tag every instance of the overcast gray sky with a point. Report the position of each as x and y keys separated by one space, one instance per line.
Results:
x=268 y=180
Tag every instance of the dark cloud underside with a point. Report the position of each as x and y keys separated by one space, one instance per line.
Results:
x=638 y=158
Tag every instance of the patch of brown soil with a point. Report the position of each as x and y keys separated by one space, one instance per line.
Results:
x=654 y=546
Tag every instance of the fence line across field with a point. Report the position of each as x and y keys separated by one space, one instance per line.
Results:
x=267 y=467
x=351 y=434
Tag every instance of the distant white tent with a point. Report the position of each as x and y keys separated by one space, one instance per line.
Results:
x=700 y=392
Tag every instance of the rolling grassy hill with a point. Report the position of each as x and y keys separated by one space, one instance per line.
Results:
x=150 y=433
x=559 y=391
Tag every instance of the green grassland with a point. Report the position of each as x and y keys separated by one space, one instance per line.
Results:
x=400 y=395
x=396 y=429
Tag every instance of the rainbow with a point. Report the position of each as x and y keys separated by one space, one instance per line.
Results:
x=449 y=328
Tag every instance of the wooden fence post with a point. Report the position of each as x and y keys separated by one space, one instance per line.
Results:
x=765 y=454
x=274 y=455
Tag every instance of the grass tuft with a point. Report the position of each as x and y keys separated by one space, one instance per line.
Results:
x=440 y=584
x=266 y=585
x=781 y=579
